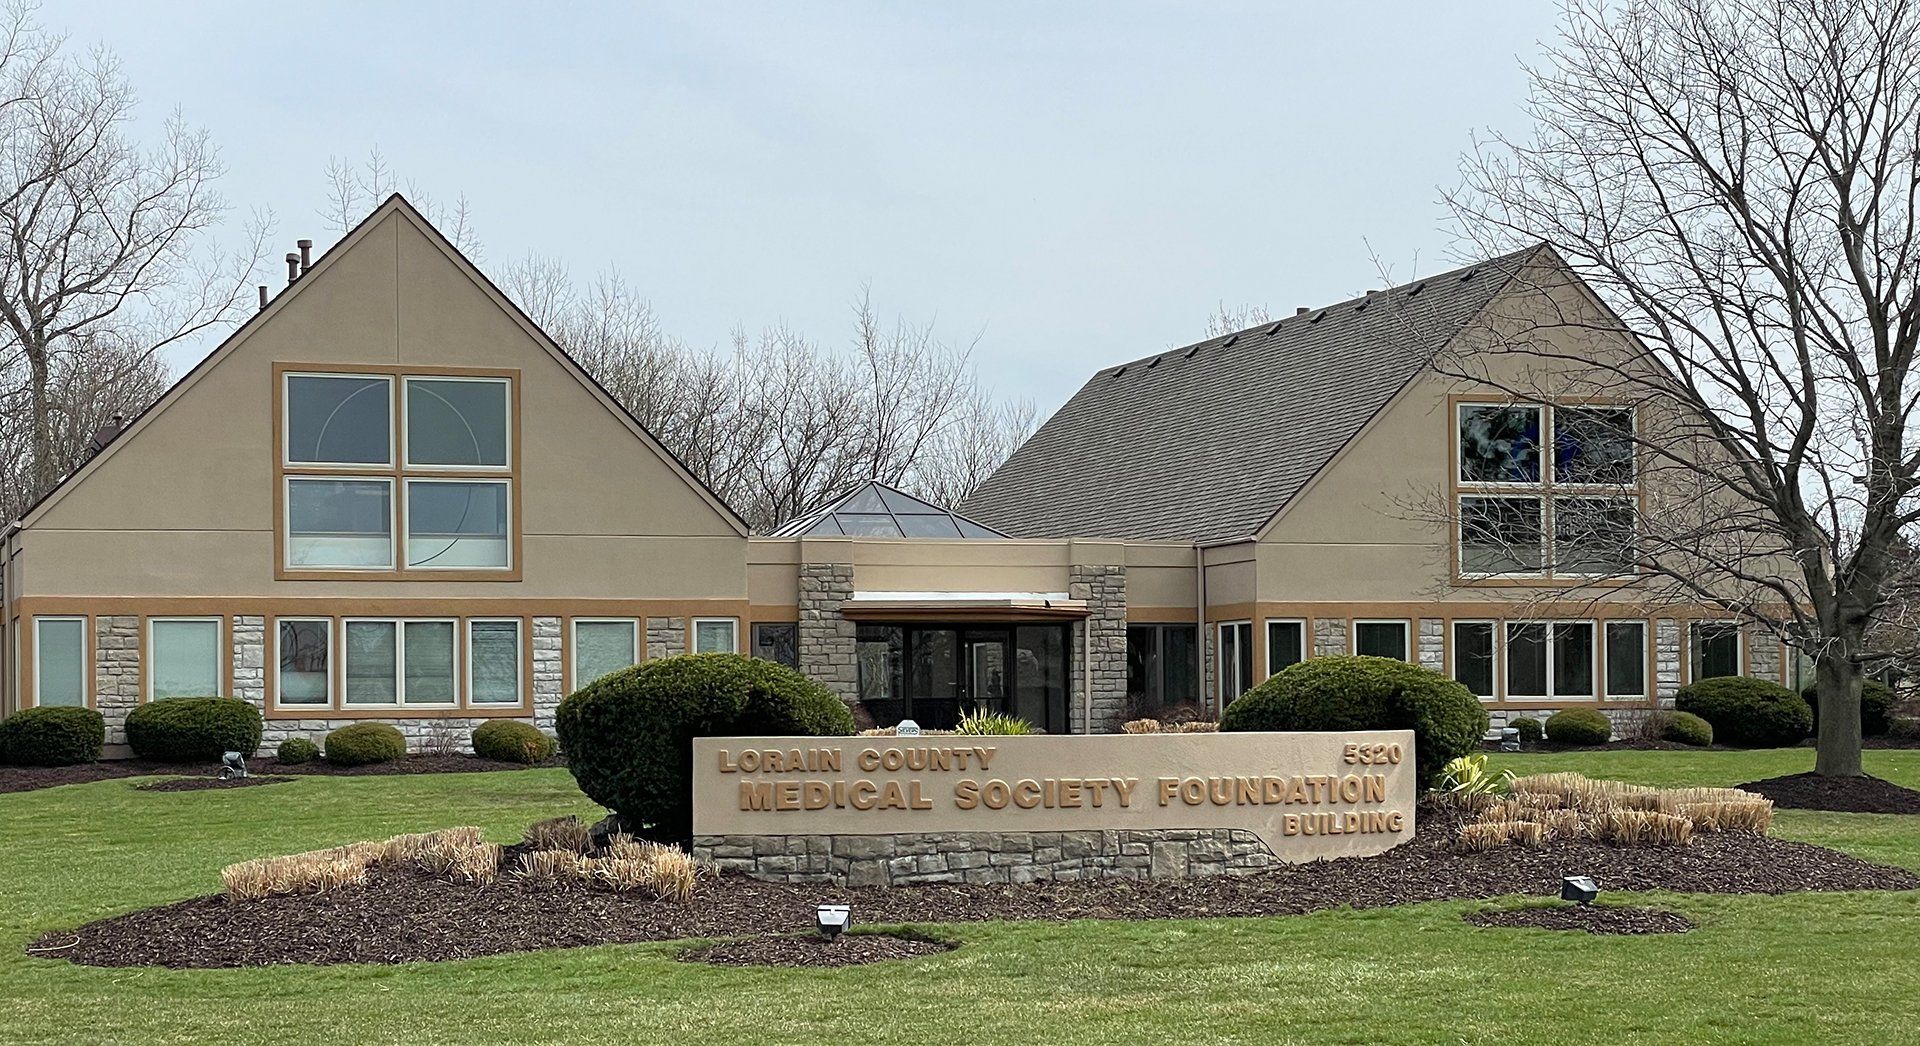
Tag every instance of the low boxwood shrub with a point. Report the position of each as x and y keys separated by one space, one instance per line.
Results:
x=1752 y=712
x=1579 y=726
x=1348 y=692
x=511 y=741
x=1683 y=728
x=52 y=735
x=1530 y=729
x=629 y=735
x=193 y=729
x=363 y=743
x=296 y=750
x=1876 y=707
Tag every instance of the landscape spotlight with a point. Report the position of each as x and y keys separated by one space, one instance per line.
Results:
x=233 y=764
x=831 y=919
x=1580 y=889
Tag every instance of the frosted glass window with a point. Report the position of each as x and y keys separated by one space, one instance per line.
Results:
x=493 y=653
x=185 y=657
x=602 y=647
x=60 y=669
x=305 y=649
x=714 y=636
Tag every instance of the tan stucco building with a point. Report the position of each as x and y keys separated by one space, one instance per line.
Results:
x=390 y=496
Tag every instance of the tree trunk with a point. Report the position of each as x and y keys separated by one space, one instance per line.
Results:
x=1837 y=746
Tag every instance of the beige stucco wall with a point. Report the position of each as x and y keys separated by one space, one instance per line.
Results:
x=1161 y=574
x=184 y=505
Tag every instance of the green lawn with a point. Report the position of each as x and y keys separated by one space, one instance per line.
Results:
x=1833 y=968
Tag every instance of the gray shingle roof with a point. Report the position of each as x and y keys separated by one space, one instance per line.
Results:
x=1204 y=443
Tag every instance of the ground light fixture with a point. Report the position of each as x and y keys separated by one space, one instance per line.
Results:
x=233 y=764
x=1580 y=889
x=831 y=919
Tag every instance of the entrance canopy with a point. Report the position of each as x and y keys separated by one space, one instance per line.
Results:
x=963 y=606
x=876 y=510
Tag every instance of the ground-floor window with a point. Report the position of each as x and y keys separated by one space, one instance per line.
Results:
x=716 y=635
x=400 y=662
x=934 y=674
x=1382 y=639
x=602 y=646
x=1475 y=655
x=1163 y=667
x=1626 y=660
x=1286 y=643
x=493 y=662
x=368 y=663
x=184 y=657
x=1236 y=659
x=1552 y=659
x=1715 y=647
x=59 y=660
x=303 y=652
x=777 y=641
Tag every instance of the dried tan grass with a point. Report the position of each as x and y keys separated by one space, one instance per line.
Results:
x=314 y=872
x=560 y=833
x=1573 y=806
x=1643 y=828
x=1752 y=814
x=664 y=872
x=1491 y=835
x=1199 y=726
x=551 y=867
x=1140 y=726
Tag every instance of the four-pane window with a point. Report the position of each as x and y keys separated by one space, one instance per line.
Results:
x=1524 y=513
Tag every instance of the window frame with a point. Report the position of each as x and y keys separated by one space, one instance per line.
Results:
x=1272 y=621
x=336 y=641
x=222 y=650
x=1406 y=635
x=397 y=472
x=1596 y=661
x=1647 y=682
x=753 y=639
x=461 y=699
x=1496 y=629
x=404 y=540
x=574 y=682
x=1220 y=659
x=522 y=659
x=1546 y=489
x=87 y=670
x=693 y=634
x=1739 y=646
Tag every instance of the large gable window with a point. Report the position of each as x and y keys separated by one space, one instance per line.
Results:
x=1524 y=513
x=429 y=495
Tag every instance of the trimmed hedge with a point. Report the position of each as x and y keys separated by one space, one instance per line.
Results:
x=1876 y=707
x=296 y=750
x=1579 y=726
x=511 y=741
x=52 y=735
x=1349 y=692
x=629 y=735
x=193 y=729
x=364 y=743
x=1684 y=728
x=1531 y=731
x=1755 y=713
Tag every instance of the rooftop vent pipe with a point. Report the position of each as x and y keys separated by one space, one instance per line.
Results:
x=306 y=255
x=263 y=295
x=293 y=266
x=1300 y=310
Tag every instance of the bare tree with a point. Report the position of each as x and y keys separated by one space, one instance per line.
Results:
x=1739 y=181
x=354 y=191
x=87 y=390
x=103 y=237
x=1225 y=321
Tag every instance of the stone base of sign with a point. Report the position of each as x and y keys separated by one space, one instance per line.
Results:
x=988 y=857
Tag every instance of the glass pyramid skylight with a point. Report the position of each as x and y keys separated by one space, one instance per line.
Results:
x=876 y=510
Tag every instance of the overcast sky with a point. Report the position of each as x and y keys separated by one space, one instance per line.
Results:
x=1075 y=184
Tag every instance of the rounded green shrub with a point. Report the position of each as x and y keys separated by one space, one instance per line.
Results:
x=1684 y=728
x=296 y=750
x=52 y=735
x=363 y=743
x=193 y=729
x=1876 y=707
x=1530 y=729
x=511 y=741
x=1579 y=726
x=629 y=735
x=1750 y=712
x=1348 y=692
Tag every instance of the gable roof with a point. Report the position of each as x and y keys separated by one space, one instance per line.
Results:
x=875 y=509
x=394 y=204
x=1205 y=443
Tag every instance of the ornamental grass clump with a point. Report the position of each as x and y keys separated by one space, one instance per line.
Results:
x=560 y=833
x=1643 y=828
x=316 y=872
x=1573 y=806
x=550 y=867
x=993 y=724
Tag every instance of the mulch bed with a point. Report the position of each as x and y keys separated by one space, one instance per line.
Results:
x=1853 y=795
x=29 y=778
x=403 y=917
x=852 y=949
x=208 y=784
x=1593 y=918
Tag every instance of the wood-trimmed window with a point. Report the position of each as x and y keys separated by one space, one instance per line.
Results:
x=1384 y=637
x=1715 y=648
x=186 y=657
x=603 y=645
x=1235 y=659
x=1545 y=491
x=62 y=660
x=374 y=667
x=387 y=472
x=1286 y=642
x=716 y=635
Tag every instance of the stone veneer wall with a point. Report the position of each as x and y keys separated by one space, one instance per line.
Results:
x=116 y=671
x=1329 y=636
x=666 y=636
x=827 y=642
x=988 y=857
x=1432 y=644
x=1099 y=670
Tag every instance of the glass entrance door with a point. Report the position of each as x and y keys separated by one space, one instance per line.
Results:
x=984 y=673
